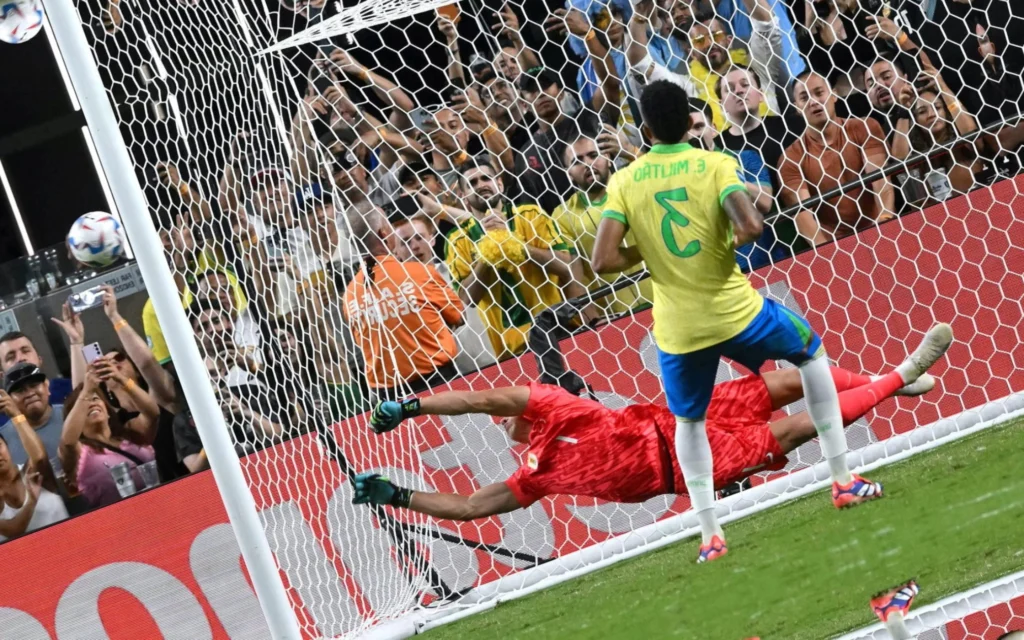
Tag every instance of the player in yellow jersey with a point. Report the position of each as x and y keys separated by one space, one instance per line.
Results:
x=688 y=210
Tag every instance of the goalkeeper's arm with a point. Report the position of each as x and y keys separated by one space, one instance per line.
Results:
x=372 y=488
x=504 y=402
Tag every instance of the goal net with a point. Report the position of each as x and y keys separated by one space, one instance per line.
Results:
x=289 y=148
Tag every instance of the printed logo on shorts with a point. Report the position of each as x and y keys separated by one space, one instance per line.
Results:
x=531 y=460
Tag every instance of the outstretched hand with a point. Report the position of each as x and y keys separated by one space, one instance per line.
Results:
x=373 y=488
x=72 y=325
x=386 y=416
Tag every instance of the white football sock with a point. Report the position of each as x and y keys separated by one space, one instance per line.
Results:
x=823 y=408
x=897 y=627
x=694 y=454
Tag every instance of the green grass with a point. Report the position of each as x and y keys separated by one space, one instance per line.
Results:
x=951 y=517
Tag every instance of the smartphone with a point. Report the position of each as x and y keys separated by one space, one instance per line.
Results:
x=87 y=299
x=822 y=9
x=423 y=120
x=92 y=352
x=450 y=11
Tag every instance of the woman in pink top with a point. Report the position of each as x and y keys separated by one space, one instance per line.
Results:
x=94 y=440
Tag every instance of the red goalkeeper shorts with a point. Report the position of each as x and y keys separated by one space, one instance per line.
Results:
x=742 y=443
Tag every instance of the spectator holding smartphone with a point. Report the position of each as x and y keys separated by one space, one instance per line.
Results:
x=94 y=440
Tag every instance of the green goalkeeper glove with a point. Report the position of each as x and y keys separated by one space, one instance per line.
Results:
x=389 y=414
x=373 y=488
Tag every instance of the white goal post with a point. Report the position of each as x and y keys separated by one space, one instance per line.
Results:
x=131 y=203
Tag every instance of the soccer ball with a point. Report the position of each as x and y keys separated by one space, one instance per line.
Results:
x=96 y=239
x=20 y=20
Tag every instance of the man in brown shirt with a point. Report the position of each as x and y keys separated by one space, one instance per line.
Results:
x=832 y=152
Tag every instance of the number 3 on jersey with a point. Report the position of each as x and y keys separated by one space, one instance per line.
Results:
x=674 y=218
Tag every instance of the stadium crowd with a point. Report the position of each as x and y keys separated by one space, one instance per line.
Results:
x=403 y=246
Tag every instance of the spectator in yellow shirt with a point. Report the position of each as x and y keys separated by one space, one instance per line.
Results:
x=509 y=260
x=579 y=216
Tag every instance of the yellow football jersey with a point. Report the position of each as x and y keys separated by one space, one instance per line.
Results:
x=512 y=302
x=671 y=201
x=578 y=218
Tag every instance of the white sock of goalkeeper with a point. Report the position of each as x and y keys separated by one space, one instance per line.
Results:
x=694 y=454
x=823 y=408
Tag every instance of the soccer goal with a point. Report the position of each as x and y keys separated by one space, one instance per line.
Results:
x=250 y=146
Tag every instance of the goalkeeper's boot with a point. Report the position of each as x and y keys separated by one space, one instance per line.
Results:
x=857 y=491
x=892 y=607
x=712 y=550
x=934 y=345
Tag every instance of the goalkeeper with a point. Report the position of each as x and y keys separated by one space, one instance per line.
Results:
x=580 y=447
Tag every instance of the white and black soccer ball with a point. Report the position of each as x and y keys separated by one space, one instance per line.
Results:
x=20 y=20
x=96 y=239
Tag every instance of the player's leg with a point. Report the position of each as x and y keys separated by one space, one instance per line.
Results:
x=778 y=333
x=786 y=387
x=793 y=431
x=689 y=380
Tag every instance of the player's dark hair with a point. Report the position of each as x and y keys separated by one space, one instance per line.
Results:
x=666 y=111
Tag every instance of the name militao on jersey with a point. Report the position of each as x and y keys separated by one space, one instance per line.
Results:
x=671 y=199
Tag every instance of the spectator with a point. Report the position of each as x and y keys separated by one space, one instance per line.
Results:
x=94 y=441
x=889 y=89
x=557 y=110
x=891 y=94
x=711 y=51
x=702 y=131
x=943 y=176
x=493 y=111
x=29 y=492
x=219 y=285
x=514 y=55
x=252 y=408
x=251 y=431
x=833 y=152
x=191 y=264
x=510 y=261
x=738 y=17
x=29 y=389
x=579 y=216
x=600 y=40
x=16 y=347
x=401 y=315
x=415 y=237
x=163 y=390
x=758 y=143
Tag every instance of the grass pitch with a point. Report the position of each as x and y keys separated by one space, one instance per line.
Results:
x=952 y=517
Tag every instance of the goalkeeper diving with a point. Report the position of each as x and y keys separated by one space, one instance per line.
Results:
x=580 y=447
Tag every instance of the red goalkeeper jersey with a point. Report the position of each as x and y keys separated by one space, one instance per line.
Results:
x=580 y=447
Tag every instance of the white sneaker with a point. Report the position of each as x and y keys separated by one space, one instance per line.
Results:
x=932 y=347
x=919 y=387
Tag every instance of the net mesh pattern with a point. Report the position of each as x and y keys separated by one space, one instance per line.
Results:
x=364 y=202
